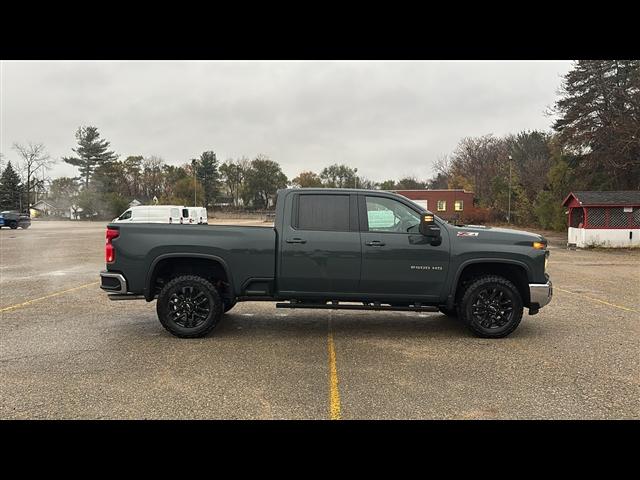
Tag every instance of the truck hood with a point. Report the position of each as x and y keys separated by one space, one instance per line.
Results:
x=502 y=234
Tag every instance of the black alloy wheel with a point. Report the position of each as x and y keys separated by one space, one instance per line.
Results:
x=189 y=306
x=491 y=307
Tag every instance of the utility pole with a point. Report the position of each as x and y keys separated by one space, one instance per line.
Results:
x=355 y=170
x=195 y=191
x=509 y=214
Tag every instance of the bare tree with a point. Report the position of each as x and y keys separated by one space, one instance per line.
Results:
x=151 y=179
x=34 y=156
x=442 y=165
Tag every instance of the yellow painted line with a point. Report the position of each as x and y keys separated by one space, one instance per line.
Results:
x=29 y=302
x=334 y=393
x=598 y=300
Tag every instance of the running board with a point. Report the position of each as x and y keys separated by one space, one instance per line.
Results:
x=124 y=296
x=372 y=306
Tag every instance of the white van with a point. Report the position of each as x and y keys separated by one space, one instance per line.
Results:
x=155 y=214
x=198 y=215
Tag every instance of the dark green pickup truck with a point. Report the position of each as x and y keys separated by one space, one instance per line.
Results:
x=331 y=249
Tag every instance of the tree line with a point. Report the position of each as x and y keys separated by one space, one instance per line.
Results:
x=593 y=145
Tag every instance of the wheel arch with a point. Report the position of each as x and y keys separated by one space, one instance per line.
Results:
x=513 y=270
x=185 y=262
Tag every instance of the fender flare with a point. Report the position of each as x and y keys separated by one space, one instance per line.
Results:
x=473 y=261
x=164 y=256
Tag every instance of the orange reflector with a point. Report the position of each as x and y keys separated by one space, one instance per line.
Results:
x=539 y=245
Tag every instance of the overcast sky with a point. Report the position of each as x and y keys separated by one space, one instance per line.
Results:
x=388 y=119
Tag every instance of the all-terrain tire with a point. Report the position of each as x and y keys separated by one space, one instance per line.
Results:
x=180 y=287
x=490 y=283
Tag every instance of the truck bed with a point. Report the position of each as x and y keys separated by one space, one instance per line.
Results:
x=247 y=251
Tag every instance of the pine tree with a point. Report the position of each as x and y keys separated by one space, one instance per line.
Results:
x=208 y=175
x=10 y=189
x=92 y=151
x=599 y=112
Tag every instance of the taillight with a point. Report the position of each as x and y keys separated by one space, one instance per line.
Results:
x=109 y=252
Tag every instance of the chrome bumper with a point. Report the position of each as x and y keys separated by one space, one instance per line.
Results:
x=121 y=286
x=117 y=290
x=540 y=294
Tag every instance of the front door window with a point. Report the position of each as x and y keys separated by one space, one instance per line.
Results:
x=387 y=215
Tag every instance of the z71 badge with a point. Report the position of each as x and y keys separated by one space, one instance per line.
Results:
x=467 y=234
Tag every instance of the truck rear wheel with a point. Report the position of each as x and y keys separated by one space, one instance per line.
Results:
x=189 y=306
x=491 y=307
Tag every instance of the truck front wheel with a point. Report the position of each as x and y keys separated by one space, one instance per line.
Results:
x=491 y=307
x=189 y=306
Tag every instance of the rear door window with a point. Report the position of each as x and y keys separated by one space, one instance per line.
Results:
x=323 y=212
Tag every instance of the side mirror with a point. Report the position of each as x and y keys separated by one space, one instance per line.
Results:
x=429 y=228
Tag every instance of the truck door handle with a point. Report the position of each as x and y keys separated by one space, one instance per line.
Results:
x=375 y=243
x=295 y=240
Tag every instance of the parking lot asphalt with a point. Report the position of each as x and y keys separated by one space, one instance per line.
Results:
x=66 y=351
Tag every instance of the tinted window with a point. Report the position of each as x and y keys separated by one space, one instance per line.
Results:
x=185 y=213
x=323 y=212
x=125 y=215
x=387 y=215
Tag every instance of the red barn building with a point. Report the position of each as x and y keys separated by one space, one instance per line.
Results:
x=448 y=204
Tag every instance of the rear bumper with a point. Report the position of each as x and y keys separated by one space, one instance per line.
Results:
x=540 y=294
x=116 y=286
